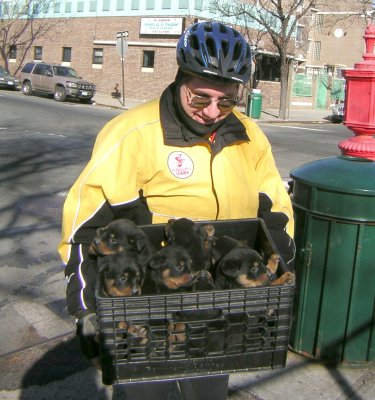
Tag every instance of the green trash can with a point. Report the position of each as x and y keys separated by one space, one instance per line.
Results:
x=334 y=206
x=254 y=104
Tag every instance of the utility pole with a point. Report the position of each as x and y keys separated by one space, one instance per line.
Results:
x=122 y=48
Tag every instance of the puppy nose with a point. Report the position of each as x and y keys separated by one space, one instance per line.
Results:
x=136 y=291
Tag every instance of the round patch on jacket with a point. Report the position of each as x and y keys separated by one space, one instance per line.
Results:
x=180 y=164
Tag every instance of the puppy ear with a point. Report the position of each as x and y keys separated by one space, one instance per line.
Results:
x=168 y=228
x=156 y=261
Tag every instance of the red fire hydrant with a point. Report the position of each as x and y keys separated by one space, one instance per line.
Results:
x=359 y=113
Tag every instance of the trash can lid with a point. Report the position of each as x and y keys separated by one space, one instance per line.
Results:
x=343 y=174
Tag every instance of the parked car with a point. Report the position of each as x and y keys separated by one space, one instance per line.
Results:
x=338 y=111
x=57 y=80
x=7 y=80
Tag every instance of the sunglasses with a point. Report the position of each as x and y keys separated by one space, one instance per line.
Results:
x=198 y=101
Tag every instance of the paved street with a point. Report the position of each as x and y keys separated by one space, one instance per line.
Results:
x=39 y=354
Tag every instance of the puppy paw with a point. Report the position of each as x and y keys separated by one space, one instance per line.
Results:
x=273 y=263
x=287 y=279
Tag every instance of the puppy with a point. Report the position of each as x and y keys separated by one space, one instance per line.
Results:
x=170 y=269
x=237 y=265
x=121 y=274
x=194 y=238
x=241 y=267
x=119 y=236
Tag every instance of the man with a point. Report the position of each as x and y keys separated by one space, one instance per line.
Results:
x=188 y=154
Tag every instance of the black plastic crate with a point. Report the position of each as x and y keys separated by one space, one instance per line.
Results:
x=201 y=333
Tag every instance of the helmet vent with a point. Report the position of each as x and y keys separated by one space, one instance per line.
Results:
x=237 y=51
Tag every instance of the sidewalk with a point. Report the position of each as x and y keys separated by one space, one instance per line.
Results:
x=306 y=115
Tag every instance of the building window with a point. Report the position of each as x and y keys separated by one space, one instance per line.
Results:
x=166 y=4
x=68 y=7
x=183 y=4
x=150 y=4
x=106 y=5
x=80 y=6
x=67 y=54
x=212 y=6
x=120 y=5
x=93 y=5
x=148 y=59
x=316 y=51
x=198 y=5
x=56 y=7
x=135 y=5
x=12 y=52
x=268 y=68
x=97 y=56
x=319 y=23
x=38 y=53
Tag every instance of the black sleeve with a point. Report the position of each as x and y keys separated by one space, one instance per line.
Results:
x=276 y=223
x=81 y=269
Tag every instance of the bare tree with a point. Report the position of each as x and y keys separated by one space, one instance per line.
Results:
x=21 y=23
x=278 y=20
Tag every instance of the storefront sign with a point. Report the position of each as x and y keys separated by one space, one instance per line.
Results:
x=161 y=26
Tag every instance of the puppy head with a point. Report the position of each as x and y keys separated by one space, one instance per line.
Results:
x=244 y=266
x=120 y=274
x=119 y=236
x=171 y=267
x=181 y=231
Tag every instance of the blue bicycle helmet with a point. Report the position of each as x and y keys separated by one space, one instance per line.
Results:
x=212 y=49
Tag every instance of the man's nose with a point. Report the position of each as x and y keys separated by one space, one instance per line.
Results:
x=212 y=111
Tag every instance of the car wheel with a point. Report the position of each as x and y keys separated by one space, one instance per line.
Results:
x=27 y=88
x=60 y=94
x=85 y=101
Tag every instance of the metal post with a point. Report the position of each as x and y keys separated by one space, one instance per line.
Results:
x=123 y=70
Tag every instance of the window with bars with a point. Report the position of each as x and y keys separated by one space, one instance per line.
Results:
x=318 y=23
x=68 y=7
x=67 y=54
x=316 y=51
x=80 y=6
x=120 y=5
x=38 y=53
x=148 y=59
x=106 y=5
x=97 y=55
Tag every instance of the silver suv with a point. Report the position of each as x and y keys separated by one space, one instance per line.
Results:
x=55 y=79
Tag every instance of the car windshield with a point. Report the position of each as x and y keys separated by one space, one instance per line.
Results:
x=65 y=71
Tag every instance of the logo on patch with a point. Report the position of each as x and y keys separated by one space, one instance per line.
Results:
x=180 y=164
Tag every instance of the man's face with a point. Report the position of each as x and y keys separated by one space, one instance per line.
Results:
x=207 y=102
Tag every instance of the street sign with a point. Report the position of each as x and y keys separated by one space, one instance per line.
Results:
x=121 y=43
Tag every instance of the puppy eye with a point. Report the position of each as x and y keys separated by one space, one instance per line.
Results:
x=131 y=241
x=254 y=270
x=124 y=278
x=113 y=241
x=181 y=266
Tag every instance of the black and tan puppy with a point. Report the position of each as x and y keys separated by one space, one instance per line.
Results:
x=170 y=270
x=121 y=274
x=122 y=235
x=238 y=265
x=194 y=238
